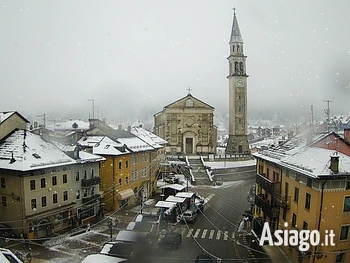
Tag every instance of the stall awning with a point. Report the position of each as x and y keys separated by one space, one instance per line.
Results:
x=125 y=194
x=175 y=199
x=177 y=187
x=185 y=194
x=165 y=204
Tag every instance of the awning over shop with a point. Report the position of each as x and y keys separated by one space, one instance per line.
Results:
x=165 y=204
x=125 y=194
x=177 y=187
x=185 y=194
x=175 y=199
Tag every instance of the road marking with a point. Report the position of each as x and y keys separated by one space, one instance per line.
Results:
x=204 y=233
x=211 y=234
x=209 y=197
x=233 y=236
x=225 y=235
x=218 y=235
x=197 y=233
x=183 y=232
x=189 y=232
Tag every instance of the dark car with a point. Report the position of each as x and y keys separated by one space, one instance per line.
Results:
x=171 y=240
x=204 y=259
x=6 y=230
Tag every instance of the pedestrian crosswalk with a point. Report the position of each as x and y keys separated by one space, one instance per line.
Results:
x=211 y=234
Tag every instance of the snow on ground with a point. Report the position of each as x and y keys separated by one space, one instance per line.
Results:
x=230 y=164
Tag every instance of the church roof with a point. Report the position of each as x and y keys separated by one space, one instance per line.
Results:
x=183 y=100
x=235 y=33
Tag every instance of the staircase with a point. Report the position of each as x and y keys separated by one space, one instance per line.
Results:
x=198 y=170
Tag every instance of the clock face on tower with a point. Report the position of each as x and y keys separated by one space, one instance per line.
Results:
x=239 y=83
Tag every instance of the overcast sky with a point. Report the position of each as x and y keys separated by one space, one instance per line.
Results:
x=135 y=57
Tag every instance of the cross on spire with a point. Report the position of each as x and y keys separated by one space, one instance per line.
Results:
x=189 y=90
x=234 y=10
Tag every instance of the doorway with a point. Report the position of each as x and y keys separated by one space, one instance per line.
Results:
x=189 y=145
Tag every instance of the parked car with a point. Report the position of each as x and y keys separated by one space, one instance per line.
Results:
x=6 y=230
x=204 y=259
x=189 y=216
x=171 y=240
x=6 y=256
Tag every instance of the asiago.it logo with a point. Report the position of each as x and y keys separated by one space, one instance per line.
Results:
x=303 y=239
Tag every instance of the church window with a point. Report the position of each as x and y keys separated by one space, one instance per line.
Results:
x=237 y=47
x=233 y=48
x=241 y=67
x=236 y=67
x=189 y=103
x=240 y=149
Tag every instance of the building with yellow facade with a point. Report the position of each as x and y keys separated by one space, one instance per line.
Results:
x=304 y=184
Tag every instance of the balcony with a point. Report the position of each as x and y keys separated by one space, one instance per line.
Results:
x=91 y=199
x=268 y=209
x=269 y=186
x=282 y=201
x=90 y=182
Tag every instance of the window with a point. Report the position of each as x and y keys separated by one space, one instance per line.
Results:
x=85 y=174
x=43 y=201
x=54 y=199
x=144 y=172
x=77 y=194
x=284 y=215
x=347 y=204
x=126 y=164
x=305 y=225
x=309 y=182
x=294 y=220
x=340 y=257
x=144 y=157
x=85 y=192
x=296 y=194
x=65 y=195
x=32 y=185
x=92 y=191
x=77 y=176
x=3 y=182
x=33 y=203
x=3 y=201
x=92 y=173
x=43 y=182
x=127 y=180
x=344 y=232
x=297 y=177
x=120 y=181
x=120 y=165
x=65 y=179
x=54 y=180
x=308 y=201
x=189 y=103
x=134 y=159
x=134 y=175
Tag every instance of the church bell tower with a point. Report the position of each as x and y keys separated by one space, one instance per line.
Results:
x=238 y=140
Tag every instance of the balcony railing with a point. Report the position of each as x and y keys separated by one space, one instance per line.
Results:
x=283 y=201
x=91 y=199
x=269 y=186
x=90 y=182
x=270 y=210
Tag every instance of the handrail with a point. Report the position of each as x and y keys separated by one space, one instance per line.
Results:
x=207 y=170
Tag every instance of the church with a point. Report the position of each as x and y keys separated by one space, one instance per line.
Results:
x=187 y=125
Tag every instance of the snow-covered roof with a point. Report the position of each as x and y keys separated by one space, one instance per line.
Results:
x=6 y=114
x=185 y=194
x=72 y=125
x=306 y=159
x=85 y=157
x=25 y=151
x=175 y=199
x=136 y=144
x=103 y=145
x=148 y=137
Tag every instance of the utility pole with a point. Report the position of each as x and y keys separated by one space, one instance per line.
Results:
x=327 y=111
x=93 y=108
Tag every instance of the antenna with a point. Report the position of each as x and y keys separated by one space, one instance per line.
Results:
x=44 y=118
x=327 y=111
x=93 y=108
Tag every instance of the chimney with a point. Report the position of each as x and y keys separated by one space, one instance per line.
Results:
x=347 y=134
x=120 y=127
x=129 y=128
x=334 y=164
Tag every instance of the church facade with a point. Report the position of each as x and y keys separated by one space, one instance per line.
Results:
x=187 y=126
x=237 y=143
